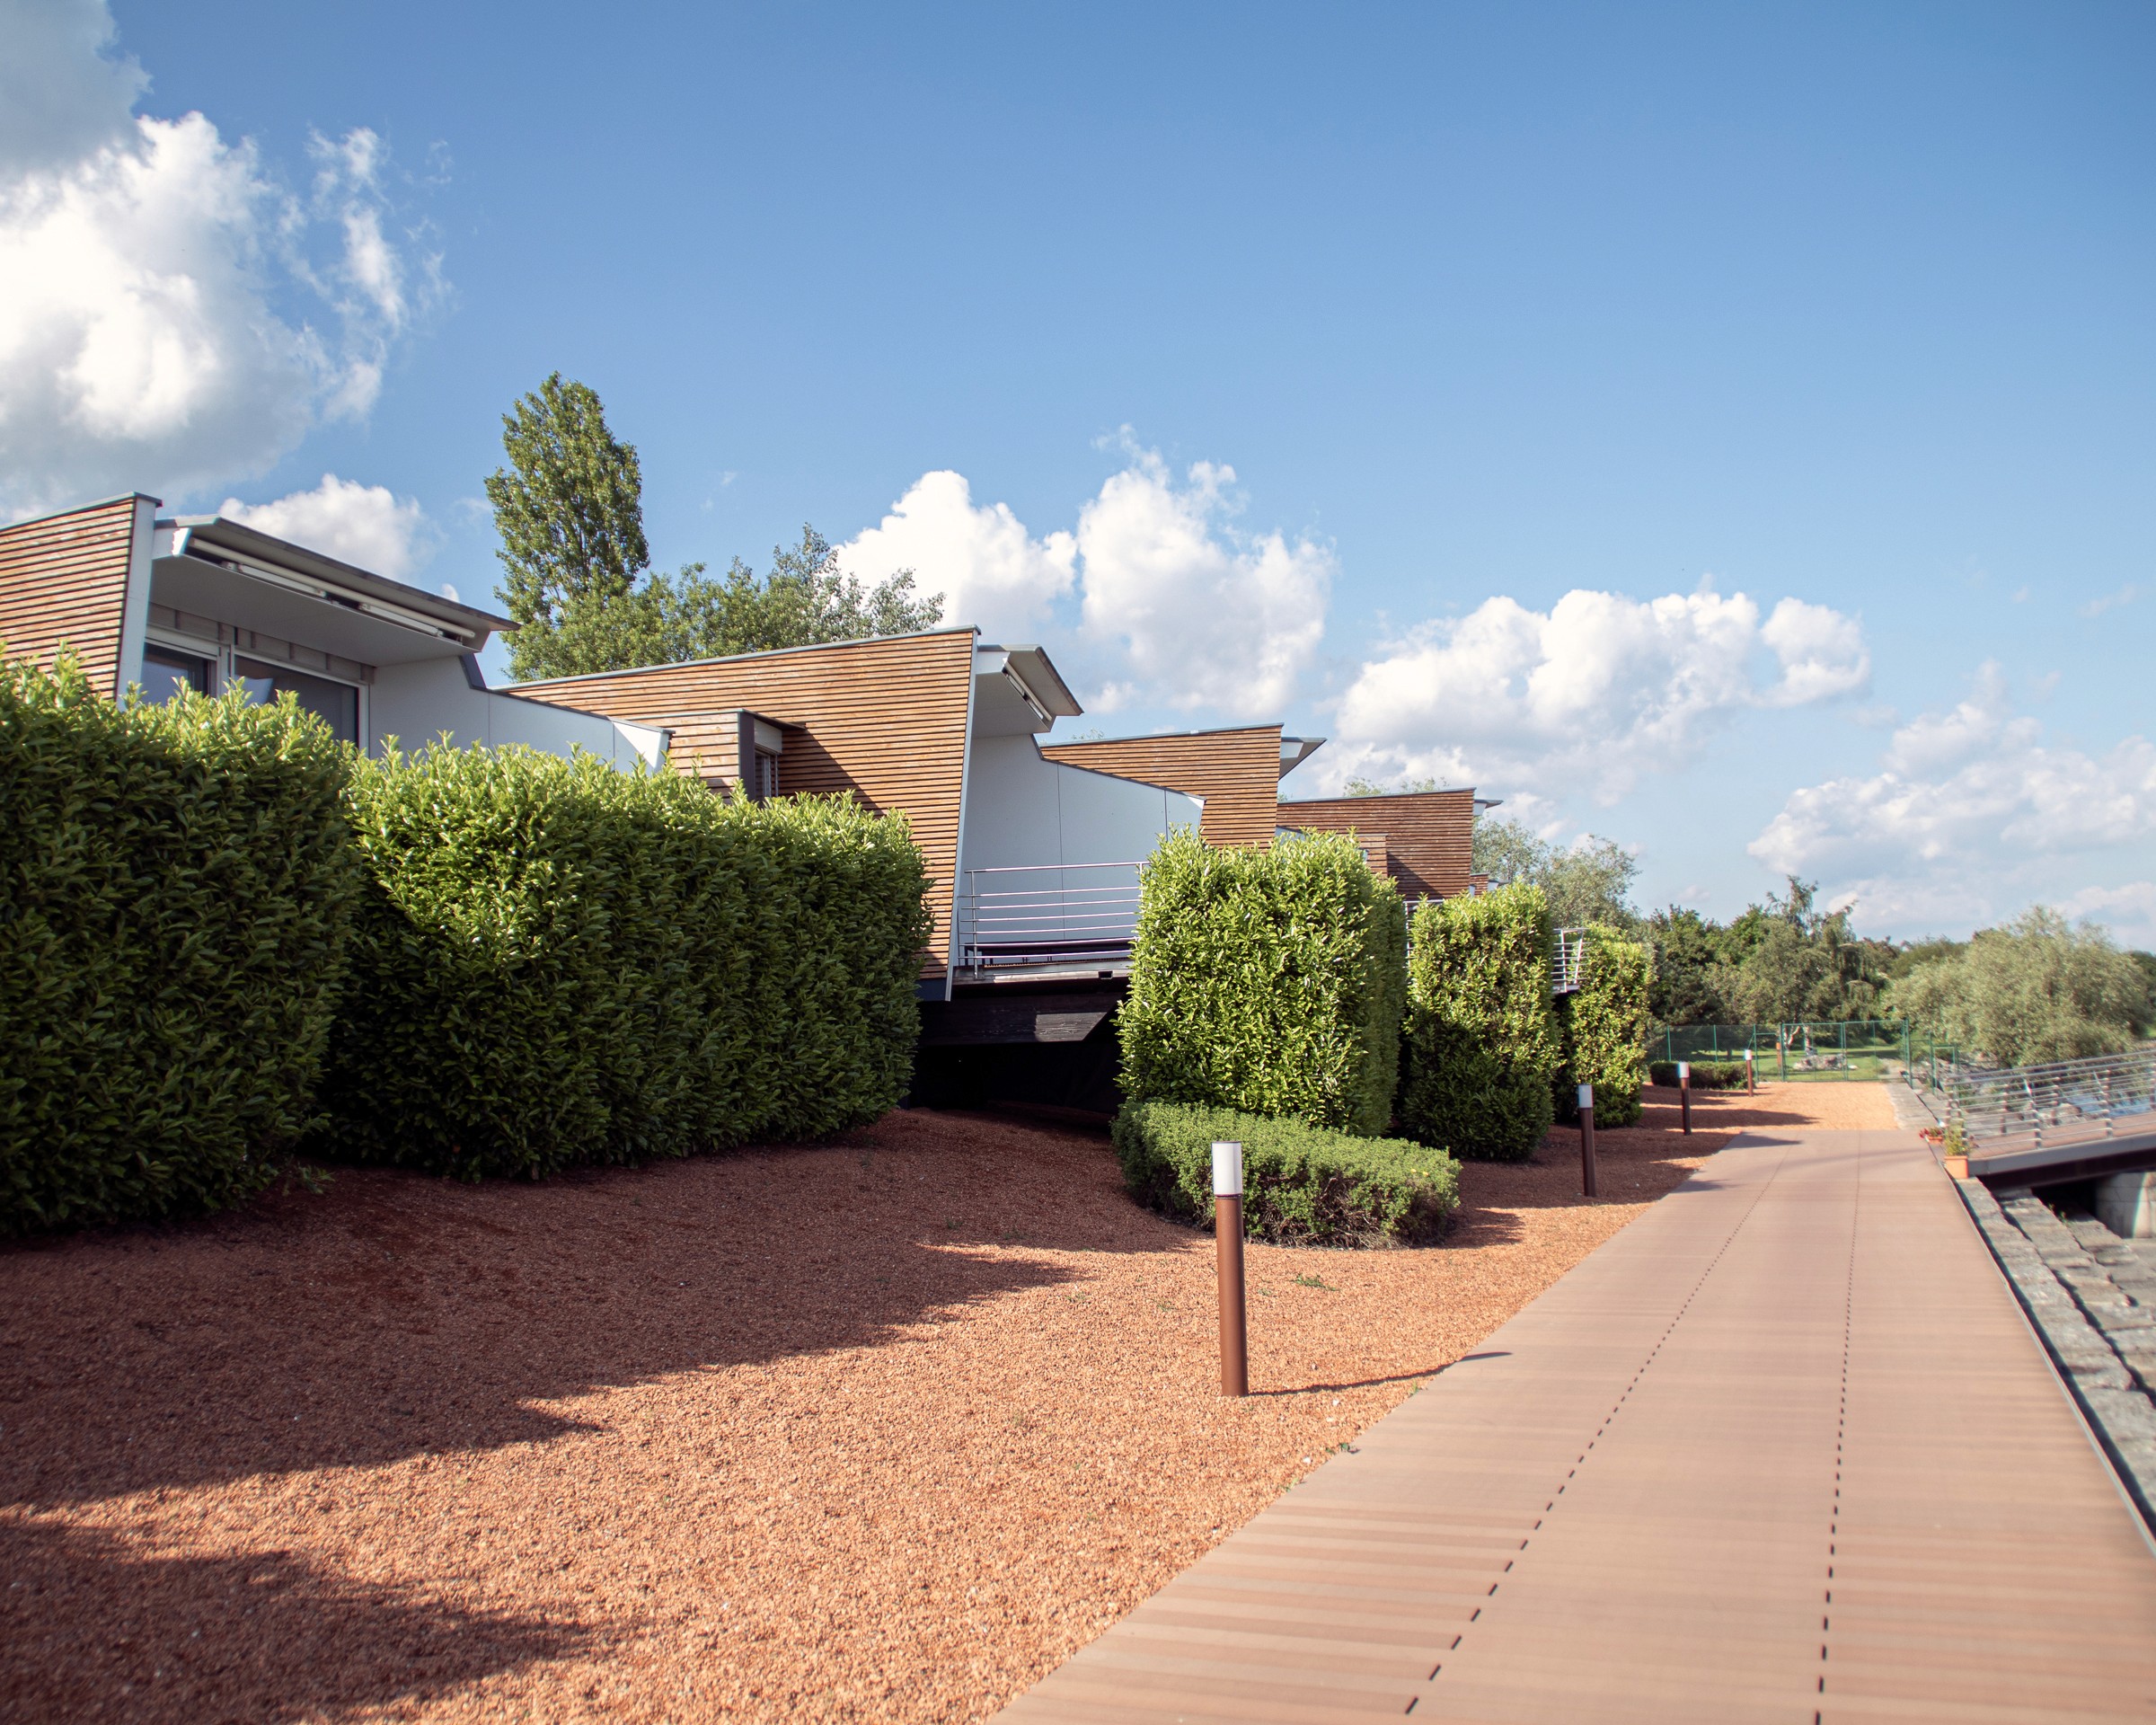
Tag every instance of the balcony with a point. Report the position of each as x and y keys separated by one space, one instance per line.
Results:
x=1055 y=919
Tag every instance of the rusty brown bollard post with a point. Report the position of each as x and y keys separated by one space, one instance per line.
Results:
x=1751 y=1088
x=1684 y=1091
x=1586 y=1140
x=1227 y=1238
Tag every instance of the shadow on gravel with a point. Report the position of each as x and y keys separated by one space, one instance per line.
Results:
x=89 y=1630
x=397 y=1314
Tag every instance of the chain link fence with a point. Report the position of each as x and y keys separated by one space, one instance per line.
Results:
x=1858 y=1048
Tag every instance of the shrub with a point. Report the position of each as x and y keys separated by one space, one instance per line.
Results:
x=1303 y=1185
x=1481 y=1035
x=1706 y=1074
x=558 y=963
x=179 y=885
x=1602 y=1031
x=1268 y=981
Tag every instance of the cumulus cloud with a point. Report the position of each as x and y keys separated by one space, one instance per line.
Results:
x=172 y=316
x=366 y=526
x=990 y=571
x=1974 y=811
x=1201 y=614
x=1589 y=695
x=1176 y=606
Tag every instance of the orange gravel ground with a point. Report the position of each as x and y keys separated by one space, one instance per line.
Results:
x=877 y=1429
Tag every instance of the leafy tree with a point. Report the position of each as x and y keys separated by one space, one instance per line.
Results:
x=1802 y=962
x=1691 y=977
x=806 y=598
x=2038 y=989
x=1362 y=787
x=1588 y=882
x=570 y=511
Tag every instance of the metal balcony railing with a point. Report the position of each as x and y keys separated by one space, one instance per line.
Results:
x=2003 y=1109
x=1568 y=957
x=1047 y=913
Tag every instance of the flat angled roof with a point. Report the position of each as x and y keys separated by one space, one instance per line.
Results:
x=240 y=541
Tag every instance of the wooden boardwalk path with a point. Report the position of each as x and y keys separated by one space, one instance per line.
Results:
x=1781 y=1450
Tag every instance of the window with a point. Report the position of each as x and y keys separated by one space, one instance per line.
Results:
x=337 y=703
x=164 y=673
x=765 y=784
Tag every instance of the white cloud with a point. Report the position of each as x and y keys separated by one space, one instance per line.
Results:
x=1590 y=696
x=1202 y=616
x=367 y=525
x=2126 y=594
x=1176 y=608
x=990 y=571
x=170 y=316
x=1974 y=813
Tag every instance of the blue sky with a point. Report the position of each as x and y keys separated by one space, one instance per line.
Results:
x=1533 y=337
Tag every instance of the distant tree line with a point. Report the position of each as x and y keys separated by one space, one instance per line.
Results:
x=577 y=576
x=2038 y=989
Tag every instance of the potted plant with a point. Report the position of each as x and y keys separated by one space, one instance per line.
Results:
x=1954 y=1149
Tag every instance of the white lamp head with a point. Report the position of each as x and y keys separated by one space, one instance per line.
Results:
x=1227 y=1169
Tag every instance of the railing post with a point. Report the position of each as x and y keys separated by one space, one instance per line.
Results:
x=1227 y=1249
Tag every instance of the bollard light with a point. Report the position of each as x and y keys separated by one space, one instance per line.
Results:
x=1227 y=1247
x=1751 y=1074
x=1586 y=1140
x=1684 y=1091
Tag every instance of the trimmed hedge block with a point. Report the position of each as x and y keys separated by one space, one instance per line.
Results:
x=1482 y=1042
x=556 y=963
x=1726 y=1074
x=1267 y=981
x=1601 y=1028
x=177 y=886
x=1303 y=1185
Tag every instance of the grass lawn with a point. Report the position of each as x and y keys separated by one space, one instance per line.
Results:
x=877 y=1429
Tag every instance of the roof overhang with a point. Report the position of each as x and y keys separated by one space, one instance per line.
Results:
x=242 y=576
x=1296 y=750
x=1028 y=674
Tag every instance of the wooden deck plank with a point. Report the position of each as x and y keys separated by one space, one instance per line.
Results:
x=1783 y=1447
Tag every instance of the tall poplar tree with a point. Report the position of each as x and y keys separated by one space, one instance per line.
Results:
x=570 y=510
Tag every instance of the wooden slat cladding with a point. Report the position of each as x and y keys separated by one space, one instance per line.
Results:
x=1429 y=835
x=883 y=718
x=1236 y=771
x=63 y=581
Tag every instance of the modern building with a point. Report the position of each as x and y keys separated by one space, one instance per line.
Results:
x=203 y=603
x=1033 y=860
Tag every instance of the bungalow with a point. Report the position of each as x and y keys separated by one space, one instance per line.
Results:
x=203 y=603
x=1033 y=859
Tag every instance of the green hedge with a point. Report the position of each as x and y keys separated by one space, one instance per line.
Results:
x=1601 y=1030
x=1303 y=1185
x=1481 y=1044
x=176 y=887
x=557 y=963
x=1269 y=981
x=1727 y=1075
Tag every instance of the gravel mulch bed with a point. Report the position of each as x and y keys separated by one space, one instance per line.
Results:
x=877 y=1429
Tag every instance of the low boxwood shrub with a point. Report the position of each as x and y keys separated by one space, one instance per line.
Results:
x=1481 y=1040
x=558 y=963
x=1706 y=1074
x=1268 y=981
x=177 y=884
x=1302 y=1184
x=1602 y=1031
